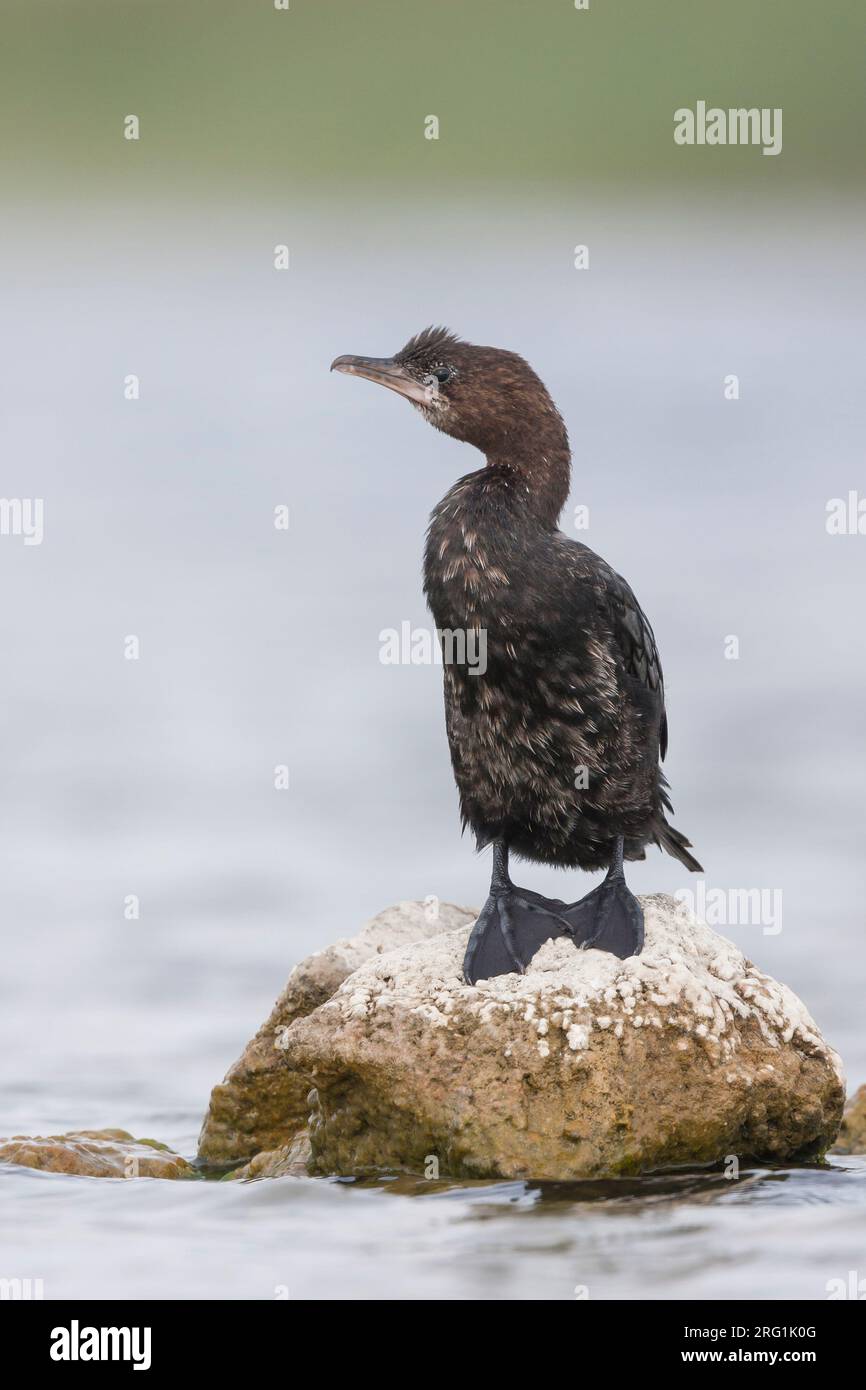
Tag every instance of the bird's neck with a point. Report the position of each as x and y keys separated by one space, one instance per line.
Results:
x=537 y=463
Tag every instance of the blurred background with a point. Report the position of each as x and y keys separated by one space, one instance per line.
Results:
x=260 y=647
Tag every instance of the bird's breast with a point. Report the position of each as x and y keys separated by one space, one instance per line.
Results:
x=464 y=575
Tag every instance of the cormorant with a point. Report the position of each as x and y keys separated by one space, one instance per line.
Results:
x=556 y=744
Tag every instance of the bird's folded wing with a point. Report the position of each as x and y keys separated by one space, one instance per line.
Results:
x=635 y=638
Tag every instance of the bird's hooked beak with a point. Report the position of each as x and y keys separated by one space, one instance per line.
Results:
x=386 y=372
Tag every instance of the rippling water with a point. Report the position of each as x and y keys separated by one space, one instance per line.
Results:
x=781 y=1234
x=259 y=648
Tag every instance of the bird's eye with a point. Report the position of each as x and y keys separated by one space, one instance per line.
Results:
x=442 y=374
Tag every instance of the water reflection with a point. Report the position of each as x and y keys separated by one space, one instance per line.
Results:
x=829 y=1181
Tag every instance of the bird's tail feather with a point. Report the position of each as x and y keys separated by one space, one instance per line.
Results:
x=673 y=842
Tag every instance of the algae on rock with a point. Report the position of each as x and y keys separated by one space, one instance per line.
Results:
x=96 y=1153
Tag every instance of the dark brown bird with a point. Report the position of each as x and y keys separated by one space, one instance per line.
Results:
x=557 y=723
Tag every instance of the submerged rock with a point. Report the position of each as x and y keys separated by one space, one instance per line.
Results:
x=852 y=1135
x=95 y=1153
x=262 y=1103
x=585 y=1066
x=291 y=1161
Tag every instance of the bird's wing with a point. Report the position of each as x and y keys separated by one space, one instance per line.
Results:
x=636 y=640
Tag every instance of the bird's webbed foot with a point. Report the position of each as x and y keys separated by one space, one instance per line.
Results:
x=511 y=927
x=609 y=918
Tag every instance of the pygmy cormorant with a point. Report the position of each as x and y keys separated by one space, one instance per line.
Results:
x=555 y=745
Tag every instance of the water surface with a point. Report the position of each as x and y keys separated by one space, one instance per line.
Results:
x=261 y=648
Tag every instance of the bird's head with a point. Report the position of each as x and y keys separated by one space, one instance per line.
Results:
x=482 y=395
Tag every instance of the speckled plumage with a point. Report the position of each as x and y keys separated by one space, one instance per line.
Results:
x=555 y=747
x=556 y=744
x=573 y=691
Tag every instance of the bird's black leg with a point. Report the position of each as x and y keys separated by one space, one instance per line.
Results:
x=511 y=926
x=609 y=918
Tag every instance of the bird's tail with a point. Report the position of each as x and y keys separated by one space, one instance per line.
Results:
x=673 y=842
